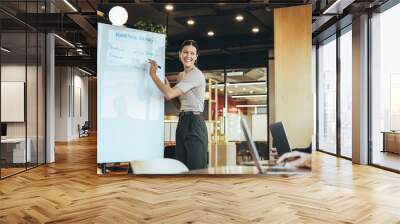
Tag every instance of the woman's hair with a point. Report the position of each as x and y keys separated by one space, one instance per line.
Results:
x=189 y=42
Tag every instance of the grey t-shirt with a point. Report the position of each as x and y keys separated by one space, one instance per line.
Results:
x=193 y=86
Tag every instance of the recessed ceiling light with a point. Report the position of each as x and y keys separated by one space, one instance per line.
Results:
x=230 y=91
x=84 y=71
x=255 y=30
x=169 y=7
x=251 y=91
x=65 y=41
x=190 y=22
x=70 y=5
x=118 y=15
x=249 y=96
x=244 y=89
x=210 y=33
x=5 y=49
x=239 y=18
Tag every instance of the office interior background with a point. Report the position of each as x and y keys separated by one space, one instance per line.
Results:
x=48 y=106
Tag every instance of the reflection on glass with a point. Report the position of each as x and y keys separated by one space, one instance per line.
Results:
x=31 y=101
x=41 y=99
x=327 y=96
x=386 y=88
x=14 y=151
x=247 y=96
x=346 y=94
x=22 y=89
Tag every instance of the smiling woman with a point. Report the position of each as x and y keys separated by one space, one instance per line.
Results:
x=191 y=133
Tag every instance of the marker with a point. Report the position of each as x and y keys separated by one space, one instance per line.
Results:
x=157 y=65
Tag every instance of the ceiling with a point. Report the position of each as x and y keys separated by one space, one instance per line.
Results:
x=229 y=47
x=233 y=49
x=233 y=46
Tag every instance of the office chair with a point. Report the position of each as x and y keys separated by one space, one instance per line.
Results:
x=169 y=152
x=84 y=130
x=242 y=151
x=263 y=149
x=158 y=166
x=280 y=141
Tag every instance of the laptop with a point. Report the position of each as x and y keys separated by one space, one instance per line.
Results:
x=3 y=131
x=270 y=169
x=280 y=141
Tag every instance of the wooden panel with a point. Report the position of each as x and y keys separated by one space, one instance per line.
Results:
x=293 y=74
x=92 y=100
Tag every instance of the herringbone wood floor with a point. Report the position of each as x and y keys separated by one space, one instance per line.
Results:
x=69 y=191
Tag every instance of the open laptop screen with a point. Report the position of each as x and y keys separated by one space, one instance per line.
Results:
x=252 y=146
x=280 y=141
x=3 y=129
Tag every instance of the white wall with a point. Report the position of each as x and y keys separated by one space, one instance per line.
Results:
x=71 y=102
x=16 y=73
x=259 y=127
x=33 y=126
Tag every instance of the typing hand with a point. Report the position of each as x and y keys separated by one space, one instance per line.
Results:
x=296 y=159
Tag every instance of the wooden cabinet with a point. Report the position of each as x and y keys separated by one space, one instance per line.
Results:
x=391 y=142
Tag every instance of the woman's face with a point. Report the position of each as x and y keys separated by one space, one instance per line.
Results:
x=188 y=56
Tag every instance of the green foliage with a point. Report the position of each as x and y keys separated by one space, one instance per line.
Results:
x=147 y=25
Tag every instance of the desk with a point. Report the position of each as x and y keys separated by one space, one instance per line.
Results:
x=13 y=150
x=391 y=141
x=169 y=143
x=240 y=169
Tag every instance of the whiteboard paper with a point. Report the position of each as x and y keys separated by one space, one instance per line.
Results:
x=130 y=106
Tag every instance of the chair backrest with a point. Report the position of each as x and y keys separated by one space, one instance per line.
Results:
x=86 y=124
x=158 y=166
x=263 y=149
x=280 y=140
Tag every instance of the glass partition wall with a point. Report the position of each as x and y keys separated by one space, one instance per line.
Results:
x=242 y=94
x=22 y=77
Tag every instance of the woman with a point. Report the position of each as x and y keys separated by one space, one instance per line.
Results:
x=191 y=133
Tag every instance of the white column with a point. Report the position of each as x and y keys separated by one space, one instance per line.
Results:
x=360 y=90
x=50 y=99
x=50 y=92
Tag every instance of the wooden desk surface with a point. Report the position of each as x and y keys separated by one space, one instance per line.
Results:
x=13 y=140
x=169 y=143
x=252 y=170
x=390 y=132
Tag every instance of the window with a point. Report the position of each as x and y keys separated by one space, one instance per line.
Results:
x=327 y=96
x=346 y=94
x=385 y=88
